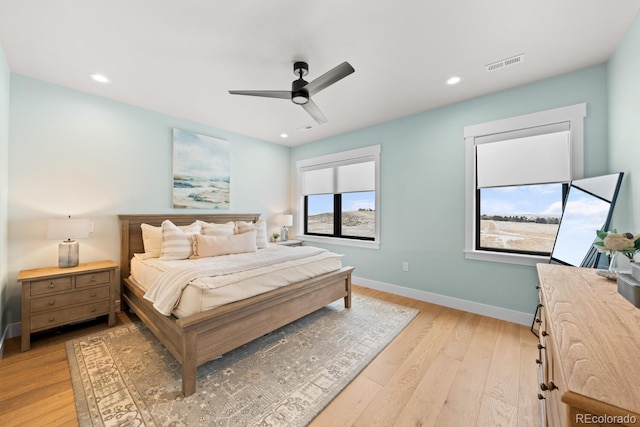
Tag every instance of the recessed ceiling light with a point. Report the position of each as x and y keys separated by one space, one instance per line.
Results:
x=100 y=78
x=284 y=135
x=454 y=80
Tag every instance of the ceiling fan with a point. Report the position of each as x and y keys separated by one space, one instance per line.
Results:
x=302 y=91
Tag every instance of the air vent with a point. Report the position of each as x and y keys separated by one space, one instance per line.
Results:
x=504 y=63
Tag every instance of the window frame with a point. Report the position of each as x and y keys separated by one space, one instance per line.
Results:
x=520 y=126
x=360 y=155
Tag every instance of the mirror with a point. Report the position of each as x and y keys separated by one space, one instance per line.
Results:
x=588 y=207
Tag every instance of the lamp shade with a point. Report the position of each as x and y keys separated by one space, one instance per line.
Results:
x=285 y=220
x=68 y=228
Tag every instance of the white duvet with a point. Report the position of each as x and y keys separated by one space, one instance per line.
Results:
x=221 y=271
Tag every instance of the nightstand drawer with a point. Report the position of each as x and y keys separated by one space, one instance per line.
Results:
x=90 y=279
x=72 y=314
x=40 y=287
x=67 y=299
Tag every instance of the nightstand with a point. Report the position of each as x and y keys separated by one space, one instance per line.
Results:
x=54 y=296
x=289 y=242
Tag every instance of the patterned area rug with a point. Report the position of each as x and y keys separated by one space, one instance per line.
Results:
x=124 y=376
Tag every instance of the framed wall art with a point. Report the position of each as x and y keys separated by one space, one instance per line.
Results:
x=201 y=177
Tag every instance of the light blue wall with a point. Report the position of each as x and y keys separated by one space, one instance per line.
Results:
x=90 y=157
x=4 y=185
x=423 y=189
x=624 y=127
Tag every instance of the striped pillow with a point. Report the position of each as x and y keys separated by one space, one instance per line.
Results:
x=177 y=243
x=212 y=229
x=261 y=231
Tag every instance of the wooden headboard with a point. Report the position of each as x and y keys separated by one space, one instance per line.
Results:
x=131 y=233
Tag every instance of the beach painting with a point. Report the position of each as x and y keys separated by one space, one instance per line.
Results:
x=201 y=177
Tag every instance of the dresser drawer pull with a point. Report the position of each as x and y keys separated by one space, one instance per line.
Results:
x=52 y=302
x=93 y=310
x=51 y=319
x=544 y=333
x=545 y=387
x=93 y=278
x=93 y=294
x=51 y=285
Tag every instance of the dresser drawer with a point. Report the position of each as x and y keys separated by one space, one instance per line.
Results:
x=91 y=279
x=66 y=299
x=50 y=319
x=40 y=287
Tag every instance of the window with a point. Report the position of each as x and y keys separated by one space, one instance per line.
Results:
x=519 y=219
x=518 y=171
x=339 y=198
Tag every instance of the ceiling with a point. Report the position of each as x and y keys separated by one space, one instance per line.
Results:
x=182 y=57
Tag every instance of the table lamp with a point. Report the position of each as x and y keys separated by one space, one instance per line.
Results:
x=285 y=221
x=68 y=229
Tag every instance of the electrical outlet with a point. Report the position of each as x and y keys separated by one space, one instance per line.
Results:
x=405 y=266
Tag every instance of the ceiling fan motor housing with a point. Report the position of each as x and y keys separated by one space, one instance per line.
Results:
x=299 y=95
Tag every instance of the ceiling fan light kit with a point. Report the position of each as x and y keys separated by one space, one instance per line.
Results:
x=302 y=91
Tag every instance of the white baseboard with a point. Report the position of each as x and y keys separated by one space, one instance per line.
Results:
x=447 y=301
x=12 y=330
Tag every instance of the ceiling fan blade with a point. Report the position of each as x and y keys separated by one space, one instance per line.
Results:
x=313 y=110
x=329 y=78
x=283 y=94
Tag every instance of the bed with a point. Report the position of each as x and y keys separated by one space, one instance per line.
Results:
x=198 y=338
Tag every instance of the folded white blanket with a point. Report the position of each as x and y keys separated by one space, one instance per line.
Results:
x=165 y=292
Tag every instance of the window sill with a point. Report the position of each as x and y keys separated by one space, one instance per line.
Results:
x=506 y=258
x=341 y=242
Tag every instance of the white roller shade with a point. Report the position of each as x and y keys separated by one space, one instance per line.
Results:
x=318 y=181
x=356 y=177
x=535 y=159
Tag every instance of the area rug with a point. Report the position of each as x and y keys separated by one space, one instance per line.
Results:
x=124 y=377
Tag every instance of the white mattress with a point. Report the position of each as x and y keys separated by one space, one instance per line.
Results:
x=206 y=293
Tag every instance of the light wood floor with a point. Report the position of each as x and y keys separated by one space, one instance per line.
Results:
x=446 y=368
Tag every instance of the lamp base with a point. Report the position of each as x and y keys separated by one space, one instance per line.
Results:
x=68 y=254
x=284 y=234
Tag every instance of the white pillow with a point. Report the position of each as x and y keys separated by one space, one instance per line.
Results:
x=152 y=240
x=261 y=231
x=177 y=243
x=212 y=229
x=207 y=246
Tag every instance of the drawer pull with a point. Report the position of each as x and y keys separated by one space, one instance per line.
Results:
x=51 y=319
x=93 y=310
x=540 y=347
x=93 y=278
x=545 y=387
x=51 y=302
x=544 y=333
x=93 y=294
x=538 y=320
x=51 y=285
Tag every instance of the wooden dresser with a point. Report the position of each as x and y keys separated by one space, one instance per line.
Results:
x=55 y=296
x=589 y=351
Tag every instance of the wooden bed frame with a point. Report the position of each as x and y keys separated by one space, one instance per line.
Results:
x=201 y=337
